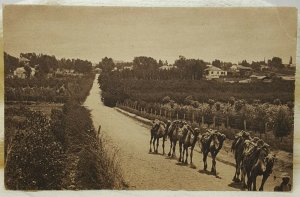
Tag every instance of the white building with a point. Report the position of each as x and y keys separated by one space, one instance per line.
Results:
x=167 y=67
x=213 y=72
x=20 y=73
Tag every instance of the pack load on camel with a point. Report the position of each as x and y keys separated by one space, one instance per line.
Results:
x=239 y=139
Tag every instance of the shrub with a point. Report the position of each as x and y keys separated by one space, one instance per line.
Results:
x=166 y=100
x=277 y=102
x=282 y=123
x=35 y=159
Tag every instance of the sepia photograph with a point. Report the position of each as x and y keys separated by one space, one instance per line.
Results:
x=149 y=98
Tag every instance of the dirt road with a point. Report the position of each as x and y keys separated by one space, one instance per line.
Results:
x=142 y=170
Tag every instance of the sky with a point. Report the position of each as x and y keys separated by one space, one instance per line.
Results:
x=231 y=34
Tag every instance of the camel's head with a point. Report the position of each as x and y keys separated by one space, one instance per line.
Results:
x=263 y=155
x=246 y=135
x=155 y=124
x=196 y=131
x=179 y=123
x=270 y=160
x=222 y=137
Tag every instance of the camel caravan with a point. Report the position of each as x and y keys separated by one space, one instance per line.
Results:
x=252 y=155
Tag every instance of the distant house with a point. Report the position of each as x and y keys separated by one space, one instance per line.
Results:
x=24 y=60
x=239 y=71
x=20 y=73
x=97 y=70
x=62 y=71
x=128 y=67
x=264 y=67
x=167 y=67
x=33 y=71
x=244 y=71
x=213 y=72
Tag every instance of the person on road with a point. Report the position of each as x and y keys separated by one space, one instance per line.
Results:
x=284 y=186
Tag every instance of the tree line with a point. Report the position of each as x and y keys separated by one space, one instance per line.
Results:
x=148 y=68
x=44 y=64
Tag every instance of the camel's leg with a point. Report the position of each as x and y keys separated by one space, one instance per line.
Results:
x=254 y=182
x=191 y=155
x=171 y=142
x=264 y=179
x=243 y=176
x=150 y=150
x=157 y=144
x=213 y=167
x=163 y=145
x=249 y=181
x=187 y=155
x=180 y=151
x=237 y=171
x=205 y=160
x=174 y=148
x=153 y=143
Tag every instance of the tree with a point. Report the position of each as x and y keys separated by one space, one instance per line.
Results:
x=291 y=60
x=276 y=63
x=145 y=67
x=216 y=63
x=282 y=123
x=190 y=68
x=10 y=63
x=245 y=63
x=107 y=64
x=188 y=100
x=166 y=100
x=27 y=71
x=231 y=101
x=255 y=66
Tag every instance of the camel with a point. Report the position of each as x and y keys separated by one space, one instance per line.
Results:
x=174 y=125
x=211 y=142
x=256 y=171
x=177 y=136
x=238 y=148
x=190 y=141
x=159 y=130
x=256 y=161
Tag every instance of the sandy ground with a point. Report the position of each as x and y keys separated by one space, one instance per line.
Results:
x=142 y=170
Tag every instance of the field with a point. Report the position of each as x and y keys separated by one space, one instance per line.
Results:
x=117 y=88
x=50 y=141
x=53 y=89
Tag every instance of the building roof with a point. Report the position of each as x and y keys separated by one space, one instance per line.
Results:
x=20 y=70
x=24 y=59
x=258 y=76
x=243 y=67
x=213 y=68
x=288 y=78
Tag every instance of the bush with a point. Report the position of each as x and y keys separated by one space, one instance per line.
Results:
x=282 y=123
x=35 y=159
x=166 y=100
